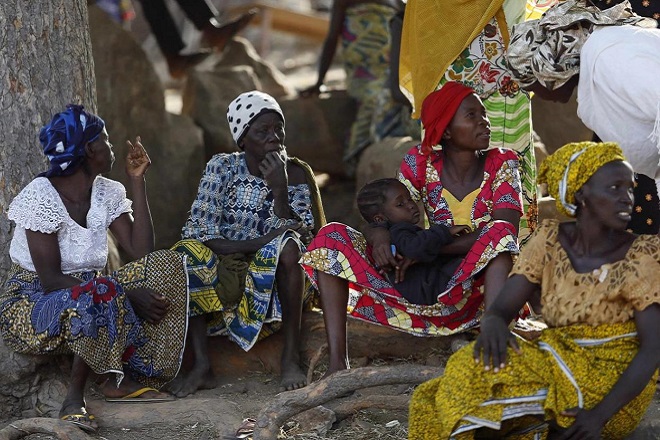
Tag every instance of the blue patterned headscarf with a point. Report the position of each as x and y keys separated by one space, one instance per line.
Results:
x=64 y=139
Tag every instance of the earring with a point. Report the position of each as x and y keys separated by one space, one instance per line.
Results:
x=584 y=204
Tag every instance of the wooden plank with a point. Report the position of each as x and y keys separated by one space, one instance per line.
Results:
x=311 y=25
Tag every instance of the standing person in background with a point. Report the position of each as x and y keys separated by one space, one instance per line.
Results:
x=254 y=213
x=452 y=40
x=365 y=37
x=574 y=46
x=205 y=17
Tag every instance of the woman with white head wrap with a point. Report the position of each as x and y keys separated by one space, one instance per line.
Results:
x=246 y=231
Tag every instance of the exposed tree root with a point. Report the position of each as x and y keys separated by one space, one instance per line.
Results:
x=288 y=404
x=40 y=425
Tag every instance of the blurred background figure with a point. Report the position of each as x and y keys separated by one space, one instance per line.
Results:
x=364 y=27
x=215 y=31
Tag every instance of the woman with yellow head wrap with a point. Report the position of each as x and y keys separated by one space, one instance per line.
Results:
x=571 y=166
x=591 y=373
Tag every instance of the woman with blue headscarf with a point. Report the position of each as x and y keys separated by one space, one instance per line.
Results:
x=132 y=322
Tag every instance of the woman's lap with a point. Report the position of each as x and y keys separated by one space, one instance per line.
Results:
x=535 y=378
x=341 y=251
x=94 y=321
x=258 y=312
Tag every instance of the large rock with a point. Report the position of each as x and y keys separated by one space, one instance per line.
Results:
x=131 y=100
x=240 y=52
x=317 y=129
x=207 y=95
x=382 y=159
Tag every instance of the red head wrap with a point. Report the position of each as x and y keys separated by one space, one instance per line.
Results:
x=438 y=109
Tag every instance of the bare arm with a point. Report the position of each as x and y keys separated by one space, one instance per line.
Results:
x=329 y=45
x=47 y=260
x=462 y=244
x=135 y=233
x=495 y=336
x=589 y=423
x=221 y=246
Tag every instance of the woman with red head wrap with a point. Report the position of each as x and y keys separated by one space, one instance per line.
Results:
x=459 y=183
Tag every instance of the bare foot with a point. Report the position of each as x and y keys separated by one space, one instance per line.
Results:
x=196 y=379
x=218 y=36
x=76 y=413
x=129 y=386
x=293 y=377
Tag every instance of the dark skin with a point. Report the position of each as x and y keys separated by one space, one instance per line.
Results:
x=134 y=234
x=337 y=16
x=597 y=237
x=466 y=136
x=266 y=158
x=561 y=94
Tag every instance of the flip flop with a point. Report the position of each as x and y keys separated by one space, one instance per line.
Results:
x=82 y=421
x=134 y=397
x=246 y=429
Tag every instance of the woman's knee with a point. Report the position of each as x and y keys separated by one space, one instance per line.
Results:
x=290 y=256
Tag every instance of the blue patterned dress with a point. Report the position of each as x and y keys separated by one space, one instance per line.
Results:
x=232 y=204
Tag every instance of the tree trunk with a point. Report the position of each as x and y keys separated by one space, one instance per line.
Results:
x=45 y=63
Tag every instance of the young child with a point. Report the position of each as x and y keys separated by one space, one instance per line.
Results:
x=387 y=202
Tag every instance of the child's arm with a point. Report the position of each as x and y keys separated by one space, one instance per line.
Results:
x=420 y=244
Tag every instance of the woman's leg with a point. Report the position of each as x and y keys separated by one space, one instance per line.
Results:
x=495 y=276
x=201 y=375
x=290 y=284
x=74 y=402
x=334 y=300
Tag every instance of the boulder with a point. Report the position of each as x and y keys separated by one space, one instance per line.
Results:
x=382 y=159
x=207 y=95
x=240 y=52
x=317 y=129
x=131 y=100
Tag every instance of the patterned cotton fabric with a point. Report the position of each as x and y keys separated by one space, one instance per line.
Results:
x=366 y=52
x=232 y=204
x=341 y=251
x=482 y=66
x=566 y=367
x=591 y=340
x=96 y=321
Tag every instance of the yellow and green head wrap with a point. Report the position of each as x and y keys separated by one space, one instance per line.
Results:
x=568 y=168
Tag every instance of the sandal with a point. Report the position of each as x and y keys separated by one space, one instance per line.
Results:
x=82 y=421
x=246 y=429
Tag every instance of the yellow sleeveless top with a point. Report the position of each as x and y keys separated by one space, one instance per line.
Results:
x=461 y=210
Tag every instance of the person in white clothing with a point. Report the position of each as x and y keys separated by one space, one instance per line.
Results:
x=131 y=323
x=613 y=58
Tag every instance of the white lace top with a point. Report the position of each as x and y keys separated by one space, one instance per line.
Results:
x=38 y=207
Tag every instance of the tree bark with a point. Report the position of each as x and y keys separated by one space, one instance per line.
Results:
x=288 y=404
x=45 y=63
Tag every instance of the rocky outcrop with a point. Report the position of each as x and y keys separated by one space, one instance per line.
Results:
x=131 y=100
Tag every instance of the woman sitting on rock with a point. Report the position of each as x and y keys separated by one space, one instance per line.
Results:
x=131 y=323
x=459 y=183
x=245 y=234
x=591 y=373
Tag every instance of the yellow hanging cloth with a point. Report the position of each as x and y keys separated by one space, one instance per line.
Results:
x=435 y=32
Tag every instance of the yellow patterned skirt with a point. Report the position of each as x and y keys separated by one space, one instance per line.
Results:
x=567 y=367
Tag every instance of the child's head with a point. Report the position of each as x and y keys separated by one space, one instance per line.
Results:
x=387 y=200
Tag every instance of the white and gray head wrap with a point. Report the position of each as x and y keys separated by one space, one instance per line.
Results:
x=547 y=50
x=246 y=108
